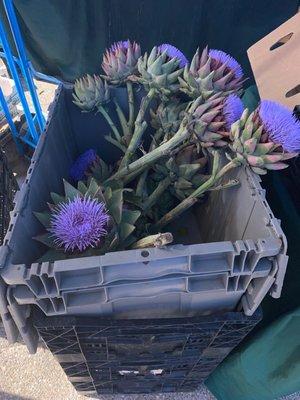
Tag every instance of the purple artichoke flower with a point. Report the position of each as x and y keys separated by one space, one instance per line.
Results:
x=232 y=109
x=281 y=125
x=120 y=60
x=173 y=52
x=82 y=164
x=120 y=45
x=79 y=224
x=220 y=57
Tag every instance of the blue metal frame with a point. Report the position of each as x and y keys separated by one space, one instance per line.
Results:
x=26 y=71
x=10 y=121
x=12 y=67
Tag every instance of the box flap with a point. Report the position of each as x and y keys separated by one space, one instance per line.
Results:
x=275 y=62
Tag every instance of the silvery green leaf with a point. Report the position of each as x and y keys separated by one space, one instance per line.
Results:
x=56 y=198
x=125 y=230
x=44 y=218
x=130 y=216
x=70 y=191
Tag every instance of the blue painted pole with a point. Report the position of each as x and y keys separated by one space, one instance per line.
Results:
x=11 y=15
x=14 y=72
x=10 y=121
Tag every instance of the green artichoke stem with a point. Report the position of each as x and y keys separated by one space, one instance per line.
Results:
x=115 y=143
x=122 y=118
x=130 y=177
x=158 y=240
x=110 y=123
x=141 y=183
x=156 y=194
x=131 y=105
x=193 y=198
x=150 y=158
x=139 y=129
x=143 y=177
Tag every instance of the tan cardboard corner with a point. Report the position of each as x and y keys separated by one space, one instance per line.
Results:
x=277 y=71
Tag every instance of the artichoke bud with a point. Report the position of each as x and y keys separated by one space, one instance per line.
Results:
x=89 y=92
x=120 y=61
x=211 y=72
x=159 y=72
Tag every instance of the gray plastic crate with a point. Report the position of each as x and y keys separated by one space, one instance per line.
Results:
x=232 y=252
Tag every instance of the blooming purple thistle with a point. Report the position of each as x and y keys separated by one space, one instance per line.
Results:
x=79 y=224
x=173 y=52
x=223 y=58
x=232 y=109
x=280 y=124
x=82 y=164
x=121 y=45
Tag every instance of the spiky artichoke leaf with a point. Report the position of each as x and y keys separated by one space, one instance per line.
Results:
x=53 y=255
x=82 y=187
x=45 y=239
x=70 y=191
x=44 y=218
x=130 y=216
x=115 y=205
x=93 y=188
x=132 y=198
x=187 y=171
x=56 y=198
x=125 y=230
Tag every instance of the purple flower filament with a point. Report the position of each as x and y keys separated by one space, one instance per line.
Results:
x=79 y=224
x=232 y=109
x=82 y=164
x=281 y=125
x=173 y=52
x=220 y=57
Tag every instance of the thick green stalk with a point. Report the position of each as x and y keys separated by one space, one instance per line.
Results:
x=115 y=143
x=193 y=198
x=155 y=195
x=110 y=122
x=150 y=158
x=141 y=183
x=139 y=128
x=122 y=118
x=143 y=177
x=131 y=105
x=132 y=176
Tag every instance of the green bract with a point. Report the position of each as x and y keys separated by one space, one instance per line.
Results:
x=159 y=72
x=89 y=92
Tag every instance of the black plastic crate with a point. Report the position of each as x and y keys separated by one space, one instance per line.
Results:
x=8 y=188
x=107 y=356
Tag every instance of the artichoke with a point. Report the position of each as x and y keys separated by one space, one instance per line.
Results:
x=211 y=72
x=168 y=117
x=160 y=72
x=89 y=92
x=89 y=216
x=120 y=61
x=253 y=146
x=210 y=121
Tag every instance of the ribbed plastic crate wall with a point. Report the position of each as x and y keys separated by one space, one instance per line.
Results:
x=142 y=356
x=228 y=253
x=8 y=188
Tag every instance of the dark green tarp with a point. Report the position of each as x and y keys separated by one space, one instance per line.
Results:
x=65 y=38
x=268 y=365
